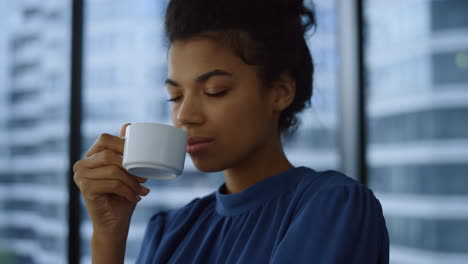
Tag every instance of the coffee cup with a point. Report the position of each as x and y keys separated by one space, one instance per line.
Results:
x=154 y=150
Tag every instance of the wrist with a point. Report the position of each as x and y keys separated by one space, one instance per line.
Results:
x=110 y=235
x=108 y=247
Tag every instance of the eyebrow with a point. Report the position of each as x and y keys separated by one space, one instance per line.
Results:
x=204 y=77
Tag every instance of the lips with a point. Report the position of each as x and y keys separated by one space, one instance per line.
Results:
x=198 y=145
x=197 y=140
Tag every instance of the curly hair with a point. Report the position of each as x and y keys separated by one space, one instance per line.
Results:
x=270 y=34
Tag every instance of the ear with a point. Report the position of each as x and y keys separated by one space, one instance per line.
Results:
x=284 y=92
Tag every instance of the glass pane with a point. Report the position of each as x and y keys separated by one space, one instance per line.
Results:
x=125 y=69
x=124 y=73
x=34 y=103
x=315 y=142
x=417 y=67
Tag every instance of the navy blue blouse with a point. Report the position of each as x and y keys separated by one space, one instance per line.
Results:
x=297 y=216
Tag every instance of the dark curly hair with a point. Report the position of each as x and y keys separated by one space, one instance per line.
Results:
x=270 y=34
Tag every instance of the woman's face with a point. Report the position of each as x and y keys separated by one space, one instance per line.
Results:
x=220 y=97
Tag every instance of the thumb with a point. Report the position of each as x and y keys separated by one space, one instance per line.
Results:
x=123 y=129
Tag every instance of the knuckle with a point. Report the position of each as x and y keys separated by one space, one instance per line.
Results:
x=104 y=137
x=76 y=178
x=115 y=186
x=106 y=156
x=76 y=166
x=85 y=186
x=114 y=170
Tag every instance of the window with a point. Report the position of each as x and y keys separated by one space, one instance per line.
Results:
x=315 y=142
x=450 y=67
x=457 y=19
x=33 y=134
x=416 y=79
x=124 y=73
x=417 y=129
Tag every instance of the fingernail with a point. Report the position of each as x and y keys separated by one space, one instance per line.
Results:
x=144 y=190
x=141 y=179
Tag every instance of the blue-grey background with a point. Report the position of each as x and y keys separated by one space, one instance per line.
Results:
x=416 y=98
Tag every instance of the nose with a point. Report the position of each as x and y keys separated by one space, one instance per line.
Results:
x=190 y=111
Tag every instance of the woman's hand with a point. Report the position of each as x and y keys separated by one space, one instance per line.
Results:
x=109 y=191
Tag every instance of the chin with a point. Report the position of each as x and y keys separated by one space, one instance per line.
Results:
x=208 y=165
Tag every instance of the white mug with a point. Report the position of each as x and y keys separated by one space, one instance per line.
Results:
x=155 y=151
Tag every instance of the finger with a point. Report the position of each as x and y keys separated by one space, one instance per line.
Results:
x=103 y=159
x=92 y=189
x=124 y=129
x=106 y=141
x=113 y=172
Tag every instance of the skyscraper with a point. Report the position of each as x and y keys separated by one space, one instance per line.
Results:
x=34 y=80
x=417 y=66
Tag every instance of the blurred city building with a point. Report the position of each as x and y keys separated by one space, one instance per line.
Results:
x=34 y=102
x=417 y=66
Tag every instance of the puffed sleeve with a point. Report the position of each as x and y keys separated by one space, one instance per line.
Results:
x=153 y=234
x=343 y=224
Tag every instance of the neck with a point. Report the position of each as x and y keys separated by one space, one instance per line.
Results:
x=267 y=161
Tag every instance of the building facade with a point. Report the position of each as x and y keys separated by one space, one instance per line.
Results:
x=417 y=101
x=34 y=94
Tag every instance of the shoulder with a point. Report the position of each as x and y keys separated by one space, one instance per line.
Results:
x=337 y=220
x=329 y=181
x=333 y=190
x=326 y=180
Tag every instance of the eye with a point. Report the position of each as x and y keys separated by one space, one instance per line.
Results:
x=217 y=94
x=175 y=99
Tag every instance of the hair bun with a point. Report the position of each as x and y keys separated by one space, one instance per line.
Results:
x=305 y=12
x=301 y=13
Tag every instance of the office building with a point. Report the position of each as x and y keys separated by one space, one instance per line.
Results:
x=34 y=79
x=417 y=66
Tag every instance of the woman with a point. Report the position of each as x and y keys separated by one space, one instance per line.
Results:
x=238 y=73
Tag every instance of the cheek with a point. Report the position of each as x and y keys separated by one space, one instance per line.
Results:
x=242 y=119
x=174 y=112
x=173 y=117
